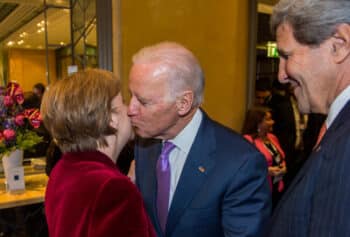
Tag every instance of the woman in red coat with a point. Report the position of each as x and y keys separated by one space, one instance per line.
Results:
x=257 y=129
x=86 y=195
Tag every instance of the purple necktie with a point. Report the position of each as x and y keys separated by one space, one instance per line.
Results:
x=163 y=179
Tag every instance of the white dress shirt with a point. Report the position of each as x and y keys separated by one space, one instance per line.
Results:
x=338 y=105
x=178 y=155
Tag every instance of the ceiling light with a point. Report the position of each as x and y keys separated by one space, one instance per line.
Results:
x=40 y=24
x=20 y=42
x=10 y=43
x=62 y=43
x=23 y=34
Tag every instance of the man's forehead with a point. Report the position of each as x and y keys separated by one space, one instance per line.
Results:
x=283 y=31
x=284 y=36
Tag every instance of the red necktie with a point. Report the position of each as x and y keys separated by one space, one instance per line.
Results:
x=321 y=134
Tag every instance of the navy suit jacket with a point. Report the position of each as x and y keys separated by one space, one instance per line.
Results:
x=229 y=197
x=317 y=204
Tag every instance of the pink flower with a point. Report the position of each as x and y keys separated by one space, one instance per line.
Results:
x=34 y=117
x=19 y=98
x=15 y=91
x=9 y=134
x=8 y=101
x=19 y=120
x=35 y=123
x=13 y=120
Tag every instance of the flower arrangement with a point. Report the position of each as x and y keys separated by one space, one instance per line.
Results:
x=16 y=123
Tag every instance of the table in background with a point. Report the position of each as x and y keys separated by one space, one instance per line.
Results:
x=22 y=214
x=34 y=192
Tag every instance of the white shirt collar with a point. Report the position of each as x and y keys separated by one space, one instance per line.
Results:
x=338 y=105
x=186 y=137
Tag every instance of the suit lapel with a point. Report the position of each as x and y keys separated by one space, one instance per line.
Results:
x=197 y=166
x=153 y=178
x=151 y=151
x=304 y=170
x=315 y=157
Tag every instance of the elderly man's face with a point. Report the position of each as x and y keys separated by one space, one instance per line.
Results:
x=151 y=113
x=309 y=70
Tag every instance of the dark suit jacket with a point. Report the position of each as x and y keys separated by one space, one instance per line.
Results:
x=87 y=196
x=230 y=198
x=317 y=204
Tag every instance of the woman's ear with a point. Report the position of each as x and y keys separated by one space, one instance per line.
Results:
x=114 y=122
x=184 y=102
x=341 y=43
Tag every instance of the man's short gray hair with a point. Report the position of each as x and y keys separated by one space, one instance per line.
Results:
x=183 y=69
x=313 y=21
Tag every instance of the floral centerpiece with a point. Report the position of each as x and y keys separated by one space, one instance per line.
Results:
x=16 y=123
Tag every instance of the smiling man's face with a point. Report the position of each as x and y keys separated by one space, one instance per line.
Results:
x=309 y=70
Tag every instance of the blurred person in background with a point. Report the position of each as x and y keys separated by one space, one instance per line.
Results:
x=257 y=129
x=289 y=126
x=263 y=91
x=86 y=195
x=38 y=91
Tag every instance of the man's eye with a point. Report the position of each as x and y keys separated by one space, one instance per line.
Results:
x=142 y=102
x=284 y=56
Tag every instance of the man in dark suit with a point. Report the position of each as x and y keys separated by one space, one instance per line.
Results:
x=313 y=39
x=218 y=185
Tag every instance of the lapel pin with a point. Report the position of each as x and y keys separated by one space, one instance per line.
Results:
x=201 y=169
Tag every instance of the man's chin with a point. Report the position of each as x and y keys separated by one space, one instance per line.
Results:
x=141 y=133
x=303 y=109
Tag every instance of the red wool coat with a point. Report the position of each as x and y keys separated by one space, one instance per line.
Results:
x=87 y=196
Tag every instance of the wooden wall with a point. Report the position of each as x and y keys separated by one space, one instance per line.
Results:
x=217 y=33
x=28 y=67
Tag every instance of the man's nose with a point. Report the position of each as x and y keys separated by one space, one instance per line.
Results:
x=132 y=107
x=282 y=74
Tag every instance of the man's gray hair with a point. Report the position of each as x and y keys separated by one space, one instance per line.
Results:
x=181 y=66
x=313 y=21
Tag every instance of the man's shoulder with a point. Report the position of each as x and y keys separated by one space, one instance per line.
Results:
x=230 y=143
x=223 y=133
x=209 y=122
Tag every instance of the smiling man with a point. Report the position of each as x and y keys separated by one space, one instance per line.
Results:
x=313 y=39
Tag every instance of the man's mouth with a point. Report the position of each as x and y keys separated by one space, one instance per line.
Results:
x=293 y=84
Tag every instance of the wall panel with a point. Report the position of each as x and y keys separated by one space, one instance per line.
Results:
x=29 y=67
x=217 y=32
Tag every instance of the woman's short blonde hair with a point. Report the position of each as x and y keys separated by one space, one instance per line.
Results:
x=77 y=110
